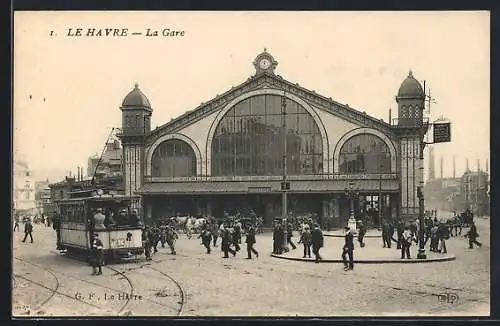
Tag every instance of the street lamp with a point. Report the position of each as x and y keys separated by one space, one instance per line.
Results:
x=284 y=184
x=380 y=197
x=351 y=194
x=421 y=248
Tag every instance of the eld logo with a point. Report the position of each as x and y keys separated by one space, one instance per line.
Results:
x=129 y=236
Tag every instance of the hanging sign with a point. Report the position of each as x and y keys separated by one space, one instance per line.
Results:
x=442 y=132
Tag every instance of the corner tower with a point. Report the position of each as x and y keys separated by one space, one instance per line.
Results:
x=136 y=124
x=411 y=130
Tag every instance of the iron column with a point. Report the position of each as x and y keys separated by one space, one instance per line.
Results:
x=284 y=208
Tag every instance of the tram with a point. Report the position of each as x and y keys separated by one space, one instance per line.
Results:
x=122 y=235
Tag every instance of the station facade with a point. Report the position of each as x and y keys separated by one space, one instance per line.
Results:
x=233 y=152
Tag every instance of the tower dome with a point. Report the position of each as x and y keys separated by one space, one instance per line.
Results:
x=410 y=87
x=136 y=98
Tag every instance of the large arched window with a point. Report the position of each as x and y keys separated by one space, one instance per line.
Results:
x=249 y=139
x=365 y=153
x=173 y=158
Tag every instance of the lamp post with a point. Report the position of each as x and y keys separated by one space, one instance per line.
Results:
x=284 y=183
x=380 y=197
x=421 y=212
x=351 y=194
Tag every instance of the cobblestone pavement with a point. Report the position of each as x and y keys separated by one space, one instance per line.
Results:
x=194 y=283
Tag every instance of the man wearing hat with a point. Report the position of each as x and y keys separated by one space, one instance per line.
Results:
x=348 y=249
x=305 y=239
x=99 y=219
x=361 y=233
x=146 y=243
x=97 y=259
x=317 y=242
x=250 y=241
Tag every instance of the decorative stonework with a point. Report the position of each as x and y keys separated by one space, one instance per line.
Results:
x=277 y=82
x=264 y=91
x=354 y=132
x=150 y=150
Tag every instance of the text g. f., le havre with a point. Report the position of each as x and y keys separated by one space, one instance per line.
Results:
x=123 y=32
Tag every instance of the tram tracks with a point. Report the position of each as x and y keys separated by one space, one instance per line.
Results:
x=179 y=287
x=53 y=290
x=122 y=273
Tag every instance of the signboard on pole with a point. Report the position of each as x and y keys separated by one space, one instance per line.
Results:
x=442 y=132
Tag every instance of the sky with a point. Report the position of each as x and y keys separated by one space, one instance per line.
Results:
x=77 y=84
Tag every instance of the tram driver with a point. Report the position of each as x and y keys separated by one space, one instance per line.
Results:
x=99 y=219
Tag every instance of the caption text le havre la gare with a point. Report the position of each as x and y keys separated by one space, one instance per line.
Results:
x=122 y=32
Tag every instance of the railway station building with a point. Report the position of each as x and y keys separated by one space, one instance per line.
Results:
x=233 y=152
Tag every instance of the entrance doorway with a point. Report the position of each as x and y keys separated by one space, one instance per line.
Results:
x=372 y=210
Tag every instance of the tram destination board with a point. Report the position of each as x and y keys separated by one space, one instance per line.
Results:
x=442 y=132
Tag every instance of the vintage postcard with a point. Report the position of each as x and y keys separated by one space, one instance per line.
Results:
x=193 y=164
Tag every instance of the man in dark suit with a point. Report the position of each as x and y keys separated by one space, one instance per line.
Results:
x=317 y=242
x=28 y=230
x=250 y=240
x=348 y=250
x=473 y=235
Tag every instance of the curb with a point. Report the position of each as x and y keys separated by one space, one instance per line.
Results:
x=341 y=236
x=374 y=261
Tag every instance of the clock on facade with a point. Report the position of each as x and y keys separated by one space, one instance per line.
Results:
x=264 y=63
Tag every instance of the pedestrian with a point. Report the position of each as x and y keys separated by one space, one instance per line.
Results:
x=16 y=222
x=443 y=234
x=390 y=234
x=406 y=243
x=434 y=238
x=235 y=238
x=206 y=238
x=28 y=230
x=146 y=242
x=97 y=255
x=348 y=249
x=277 y=246
x=399 y=233
x=215 y=232
x=289 y=235
x=171 y=237
x=227 y=240
x=386 y=238
x=361 y=233
x=317 y=242
x=163 y=234
x=56 y=225
x=237 y=234
x=473 y=235
x=221 y=230
x=250 y=241
x=154 y=237
x=306 y=240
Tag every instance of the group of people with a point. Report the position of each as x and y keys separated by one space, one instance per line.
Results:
x=159 y=233
x=310 y=236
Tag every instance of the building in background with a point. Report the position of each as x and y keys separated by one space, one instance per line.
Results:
x=474 y=187
x=42 y=195
x=23 y=192
x=471 y=190
x=228 y=153
x=110 y=165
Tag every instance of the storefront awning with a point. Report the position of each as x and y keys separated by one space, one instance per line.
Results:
x=262 y=187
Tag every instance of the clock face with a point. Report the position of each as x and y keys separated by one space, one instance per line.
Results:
x=264 y=63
